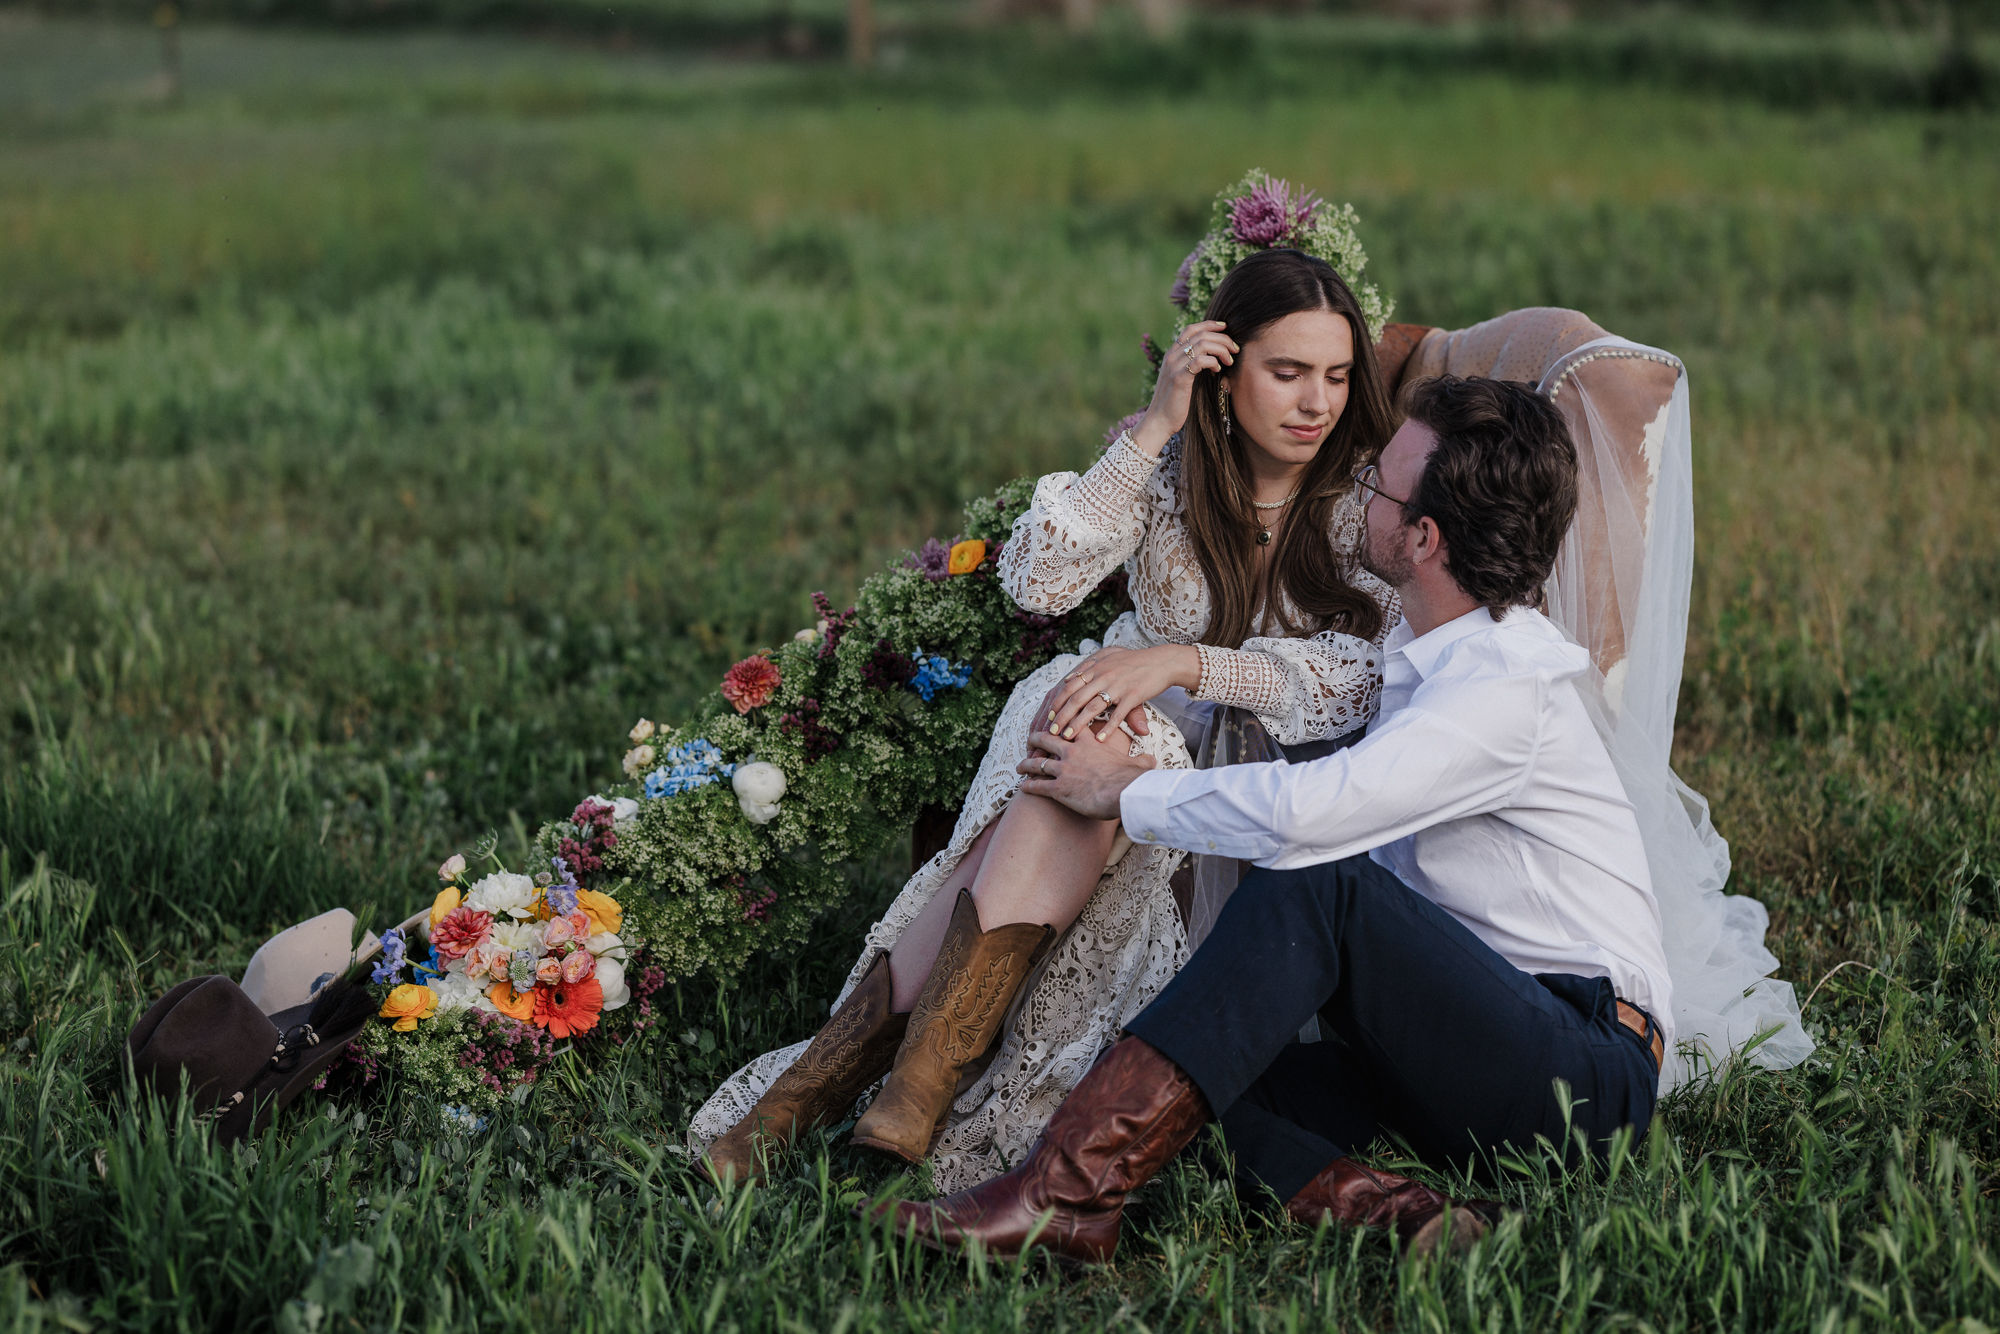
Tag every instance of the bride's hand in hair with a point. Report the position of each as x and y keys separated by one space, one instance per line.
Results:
x=1200 y=347
x=1114 y=681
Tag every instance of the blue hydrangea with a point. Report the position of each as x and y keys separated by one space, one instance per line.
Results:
x=684 y=768
x=393 y=957
x=462 y=1118
x=936 y=672
x=433 y=967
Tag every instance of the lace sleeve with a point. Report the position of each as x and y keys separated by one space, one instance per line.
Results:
x=1300 y=689
x=1307 y=689
x=1078 y=530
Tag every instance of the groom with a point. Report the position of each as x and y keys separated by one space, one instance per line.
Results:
x=1461 y=897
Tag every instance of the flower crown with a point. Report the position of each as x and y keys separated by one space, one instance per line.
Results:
x=1261 y=212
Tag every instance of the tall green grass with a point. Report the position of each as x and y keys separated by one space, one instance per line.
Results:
x=388 y=424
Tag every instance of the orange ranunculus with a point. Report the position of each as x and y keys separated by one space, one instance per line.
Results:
x=603 y=911
x=407 y=1004
x=514 y=1004
x=966 y=556
x=569 y=1009
x=448 y=898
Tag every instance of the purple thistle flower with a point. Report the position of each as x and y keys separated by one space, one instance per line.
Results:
x=1129 y=421
x=1179 y=293
x=1270 y=212
x=933 y=559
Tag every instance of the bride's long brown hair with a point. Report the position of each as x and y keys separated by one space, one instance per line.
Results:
x=1305 y=575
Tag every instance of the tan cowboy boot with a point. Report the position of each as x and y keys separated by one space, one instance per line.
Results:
x=844 y=1058
x=956 y=1021
x=1360 y=1196
x=1131 y=1114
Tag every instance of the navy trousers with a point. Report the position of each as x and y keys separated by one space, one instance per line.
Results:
x=1433 y=1037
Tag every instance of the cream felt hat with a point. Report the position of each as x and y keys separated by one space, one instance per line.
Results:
x=290 y=968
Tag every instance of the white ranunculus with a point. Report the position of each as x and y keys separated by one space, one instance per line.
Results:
x=807 y=635
x=611 y=976
x=759 y=787
x=504 y=894
x=606 y=944
x=637 y=760
x=641 y=730
x=453 y=868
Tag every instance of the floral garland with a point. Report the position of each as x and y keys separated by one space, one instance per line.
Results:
x=733 y=831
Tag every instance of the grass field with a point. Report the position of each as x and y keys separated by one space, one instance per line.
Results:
x=387 y=423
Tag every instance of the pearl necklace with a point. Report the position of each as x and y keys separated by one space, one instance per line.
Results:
x=1264 y=529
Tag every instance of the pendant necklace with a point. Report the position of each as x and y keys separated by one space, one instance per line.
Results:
x=1264 y=529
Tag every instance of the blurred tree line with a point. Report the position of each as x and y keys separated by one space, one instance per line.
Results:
x=1697 y=43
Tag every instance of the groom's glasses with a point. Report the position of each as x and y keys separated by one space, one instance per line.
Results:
x=1368 y=479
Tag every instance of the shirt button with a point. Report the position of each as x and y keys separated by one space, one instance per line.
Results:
x=1149 y=836
x=1211 y=845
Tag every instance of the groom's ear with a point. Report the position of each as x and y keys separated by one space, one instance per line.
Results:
x=1430 y=540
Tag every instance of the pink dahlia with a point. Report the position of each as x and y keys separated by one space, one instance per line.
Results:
x=1270 y=212
x=462 y=931
x=750 y=683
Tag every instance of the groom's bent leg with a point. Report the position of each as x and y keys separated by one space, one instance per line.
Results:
x=1459 y=1048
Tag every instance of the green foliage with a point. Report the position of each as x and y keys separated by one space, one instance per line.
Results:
x=388 y=424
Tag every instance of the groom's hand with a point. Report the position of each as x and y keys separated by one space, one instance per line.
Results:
x=1086 y=775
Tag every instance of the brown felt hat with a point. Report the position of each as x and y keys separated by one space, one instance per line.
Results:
x=240 y=1065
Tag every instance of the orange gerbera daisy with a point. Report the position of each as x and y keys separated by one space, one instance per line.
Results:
x=568 y=1009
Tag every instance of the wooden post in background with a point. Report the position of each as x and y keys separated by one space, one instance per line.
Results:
x=861 y=33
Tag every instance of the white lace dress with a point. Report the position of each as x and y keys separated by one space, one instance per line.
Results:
x=1129 y=939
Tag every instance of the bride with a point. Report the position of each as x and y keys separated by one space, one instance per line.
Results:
x=1014 y=956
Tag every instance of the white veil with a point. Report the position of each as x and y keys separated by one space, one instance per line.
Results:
x=1621 y=588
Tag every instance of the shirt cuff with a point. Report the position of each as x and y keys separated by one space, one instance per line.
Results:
x=1142 y=807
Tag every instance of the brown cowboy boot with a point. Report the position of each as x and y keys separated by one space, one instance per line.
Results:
x=1347 y=1192
x=845 y=1057
x=956 y=1020
x=1132 y=1113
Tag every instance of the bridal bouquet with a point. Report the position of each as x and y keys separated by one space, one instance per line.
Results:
x=734 y=829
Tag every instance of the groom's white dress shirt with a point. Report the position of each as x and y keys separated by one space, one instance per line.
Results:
x=1482 y=785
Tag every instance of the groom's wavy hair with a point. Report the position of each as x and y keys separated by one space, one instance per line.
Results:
x=1500 y=484
x=1307 y=587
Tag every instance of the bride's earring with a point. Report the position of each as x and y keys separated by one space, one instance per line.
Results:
x=1222 y=406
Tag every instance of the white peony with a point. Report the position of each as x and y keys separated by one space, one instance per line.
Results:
x=611 y=976
x=504 y=894
x=641 y=730
x=623 y=809
x=512 y=936
x=606 y=944
x=759 y=787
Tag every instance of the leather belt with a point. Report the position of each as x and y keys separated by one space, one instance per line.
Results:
x=1642 y=1023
